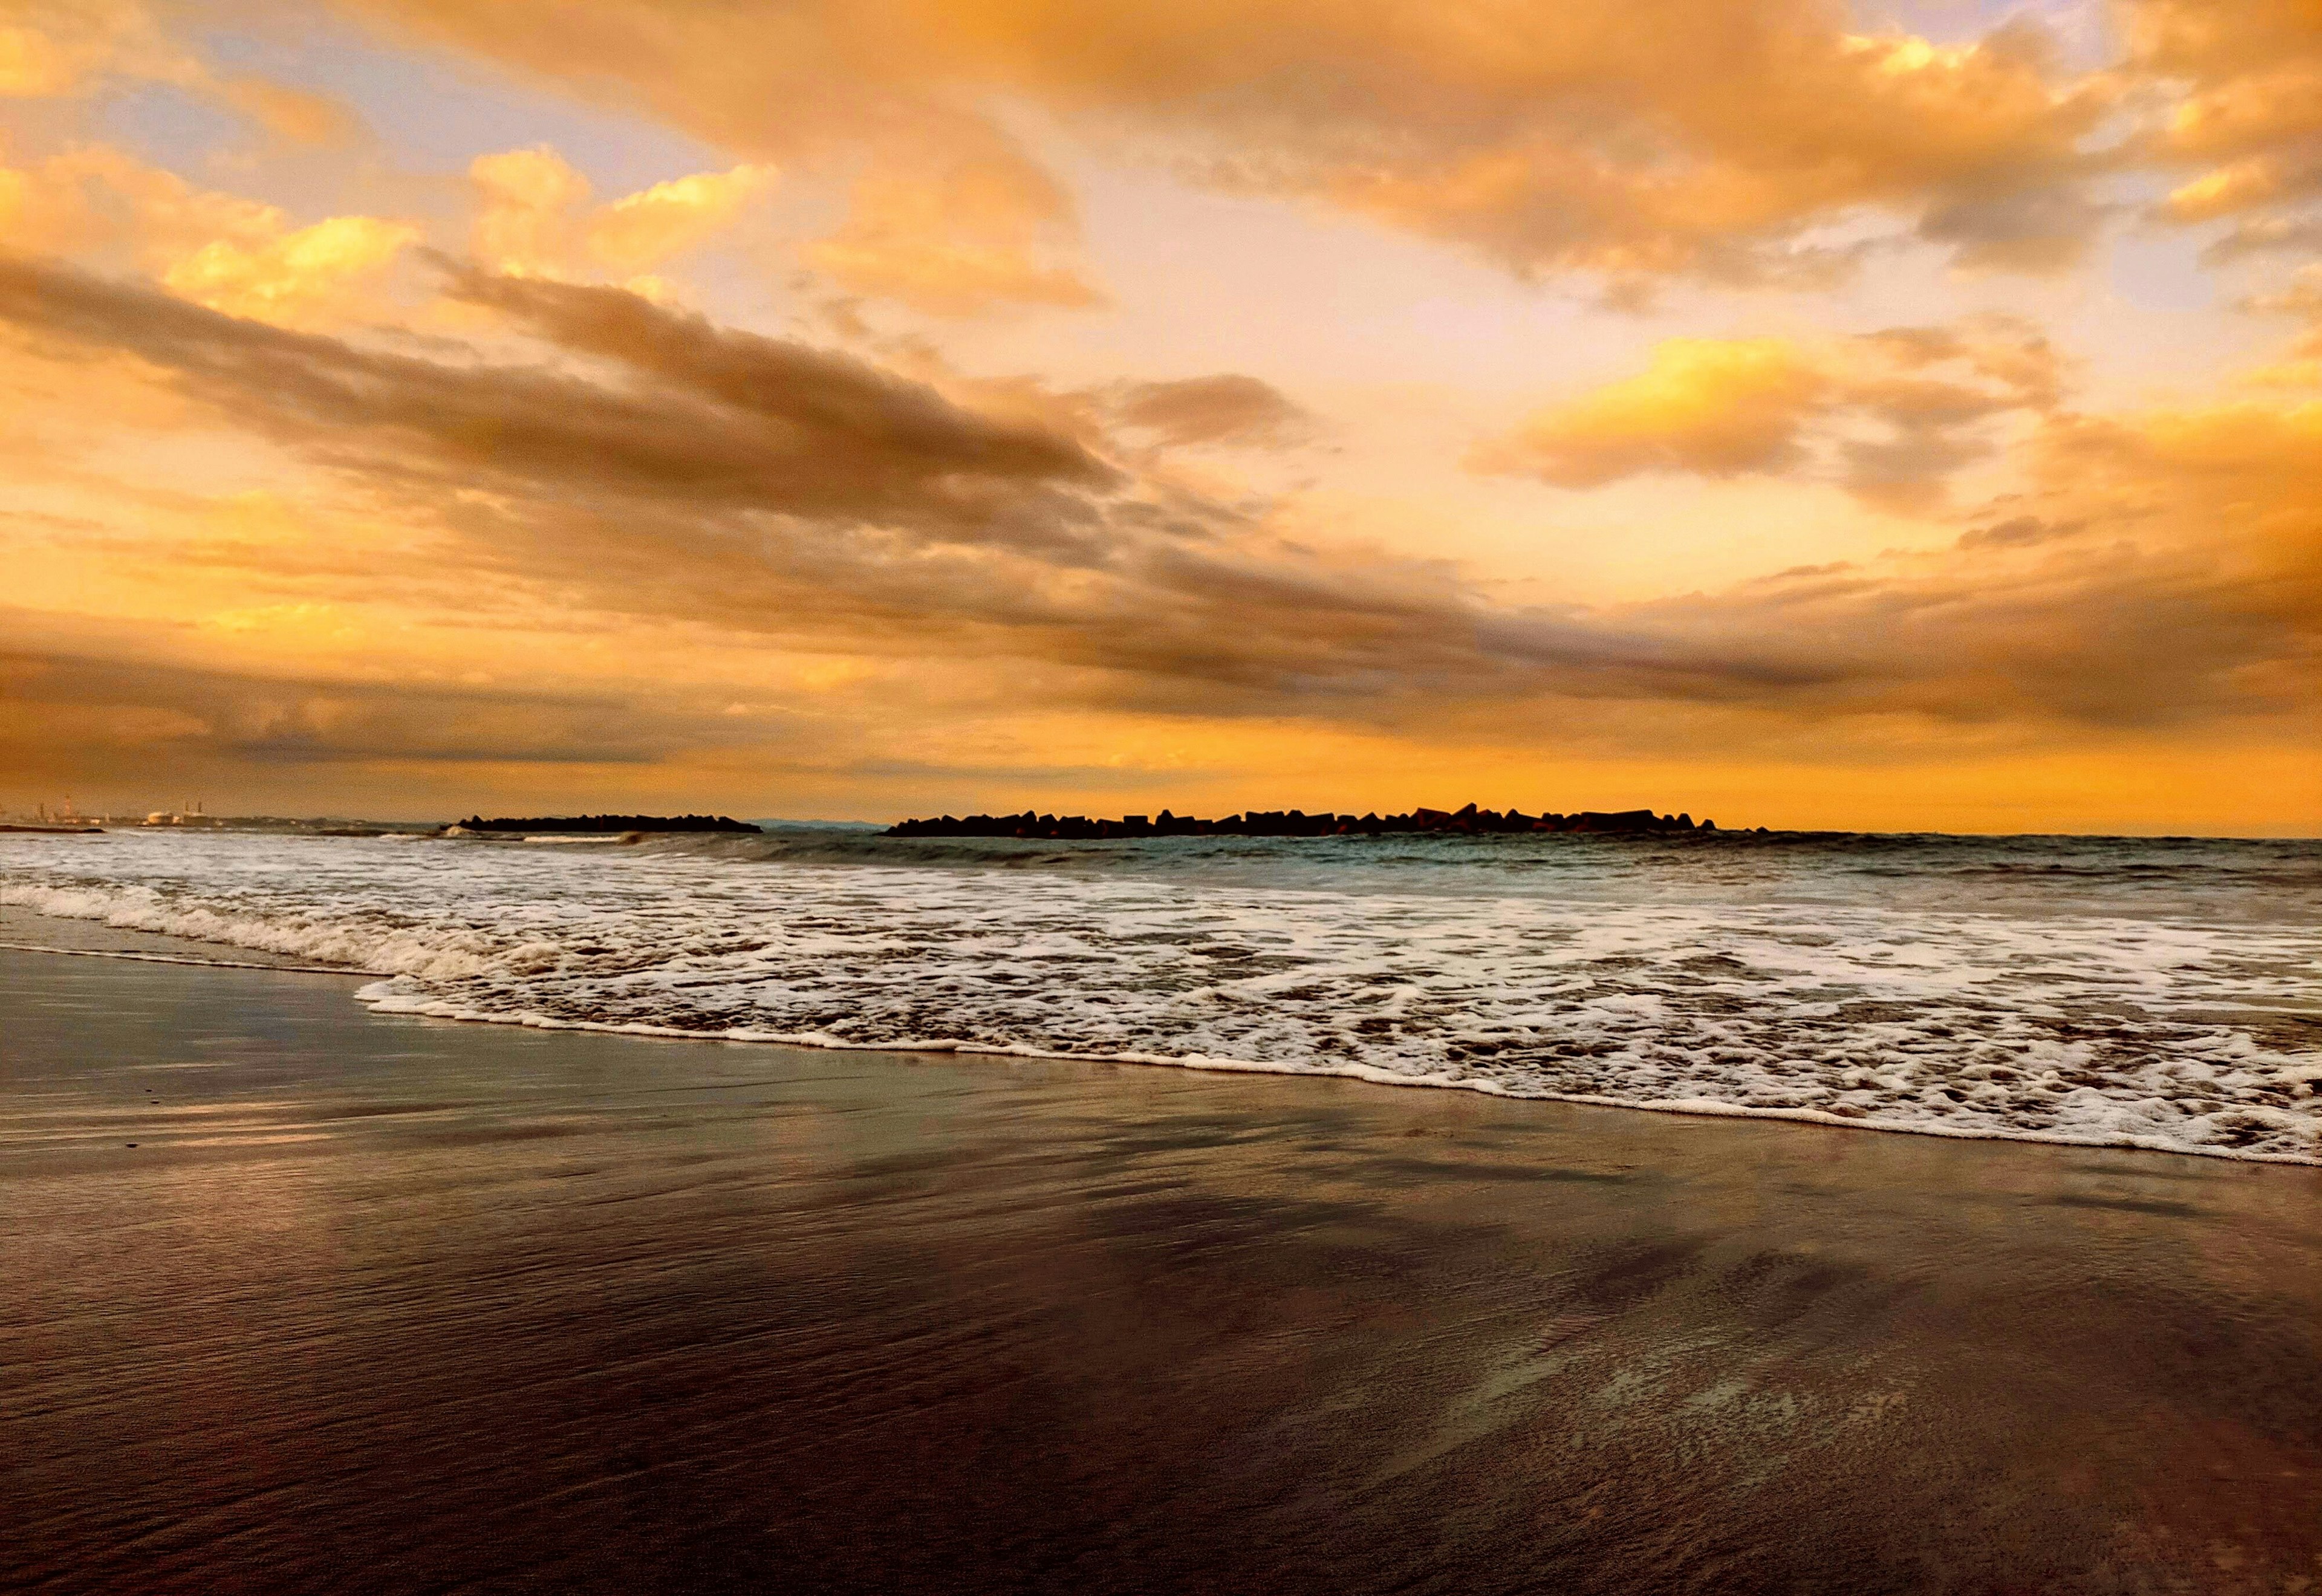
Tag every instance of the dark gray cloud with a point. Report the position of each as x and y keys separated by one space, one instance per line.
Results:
x=120 y=714
x=2266 y=236
x=2020 y=532
x=2041 y=227
x=1228 y=408
x=813 y=402
x=719 y=420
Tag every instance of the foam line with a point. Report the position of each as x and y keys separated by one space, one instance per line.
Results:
x=379 y=998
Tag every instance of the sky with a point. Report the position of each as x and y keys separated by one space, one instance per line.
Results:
x=1899 y=417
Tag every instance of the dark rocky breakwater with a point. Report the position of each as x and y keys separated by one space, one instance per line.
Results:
x=1297 y=823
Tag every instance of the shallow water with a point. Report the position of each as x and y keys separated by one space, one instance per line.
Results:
x=2156 y=993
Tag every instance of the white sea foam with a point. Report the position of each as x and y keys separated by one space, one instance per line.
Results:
x=2137 y=1018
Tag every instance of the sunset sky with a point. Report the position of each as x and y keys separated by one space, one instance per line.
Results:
x=1902 y=416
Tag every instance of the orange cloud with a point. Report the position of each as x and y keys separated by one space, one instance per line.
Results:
x=1718 y=407
x=2243 y=83
x=60 y=49
x=299 y=115
x=220 y=250
x=1706 y=406
x=51 y=48
x=2301 y=298
x=1631 y=141
x=1600 y=135
x=532 y=216
x=289 y=278
x=524 y=220
x=980 y=234
x=646 y=228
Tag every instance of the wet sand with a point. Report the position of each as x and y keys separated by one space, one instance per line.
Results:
x=396 y=1305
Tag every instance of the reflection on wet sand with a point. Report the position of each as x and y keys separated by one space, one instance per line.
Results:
x=378 y=1304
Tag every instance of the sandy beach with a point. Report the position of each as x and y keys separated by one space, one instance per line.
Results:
x=298 y=1297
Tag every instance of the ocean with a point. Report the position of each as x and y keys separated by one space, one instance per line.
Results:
x=2164 y=994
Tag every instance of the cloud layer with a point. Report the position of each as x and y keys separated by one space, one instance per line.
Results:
x=1627 y=140
x=678 y=472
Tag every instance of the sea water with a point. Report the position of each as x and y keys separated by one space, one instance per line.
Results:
x=2164 y=993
